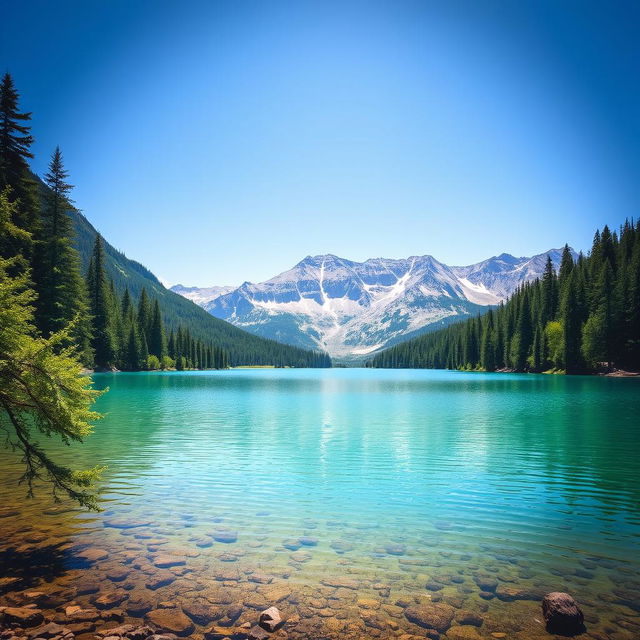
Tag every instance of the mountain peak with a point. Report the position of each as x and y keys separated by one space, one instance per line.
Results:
x=353 y=308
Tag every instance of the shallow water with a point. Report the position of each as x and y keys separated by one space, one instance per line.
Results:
x=353 y=494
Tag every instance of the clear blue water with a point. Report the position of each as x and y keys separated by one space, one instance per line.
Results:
x=401 y=477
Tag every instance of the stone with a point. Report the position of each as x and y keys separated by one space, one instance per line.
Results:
x=395 y=549
x=270 y=619
x=110 y=599
x=436 y=616
x=486 y=583
x=225 y=535
x=82 y=615
x=341 y=546
x=117 y=632
x=464 y=632
x=24 y=616
x=509 y=594
x=293 y=544
x=124 y=523
x=469 y=618
x=117 y=574
x=49 y=630
x=562 y=613
x=341 y=583
x=257 y=633
x=137 y=608
x=8 y=583
x=260 y=578
x=204 y=543
x=308 y=541
x=201 y=612
x=172 y=620
x=164 y=561
x=160 y=579
x=92 y=554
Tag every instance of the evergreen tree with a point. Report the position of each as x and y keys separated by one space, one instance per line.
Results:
x=42 y=391
x=104 y=341
x=62 y=295
x=157 y=340
x=15 y=145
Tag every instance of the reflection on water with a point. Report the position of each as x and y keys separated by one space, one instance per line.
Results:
x=348 y=495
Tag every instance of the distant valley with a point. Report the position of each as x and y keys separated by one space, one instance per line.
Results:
x=354 y=309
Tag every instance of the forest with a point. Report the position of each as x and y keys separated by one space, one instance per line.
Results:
x=583 y=319
x=115 y=312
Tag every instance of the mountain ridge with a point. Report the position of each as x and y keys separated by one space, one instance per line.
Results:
x=353 y=309
x=244 y=347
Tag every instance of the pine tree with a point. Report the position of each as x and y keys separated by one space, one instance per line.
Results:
x=62 y=294
x=15 y=145
x=104 y=341
x=157 y=340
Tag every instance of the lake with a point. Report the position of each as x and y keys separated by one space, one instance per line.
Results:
x=347 y=497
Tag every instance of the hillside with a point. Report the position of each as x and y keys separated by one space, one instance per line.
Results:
x=244 y=348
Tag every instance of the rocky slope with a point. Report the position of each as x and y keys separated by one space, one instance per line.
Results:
x=352 y=309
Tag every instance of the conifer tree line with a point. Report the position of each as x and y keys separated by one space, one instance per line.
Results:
x=105 y=323
x=583 y=319
x=130 y=335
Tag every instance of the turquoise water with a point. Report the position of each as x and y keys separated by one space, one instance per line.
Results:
x=396 y=479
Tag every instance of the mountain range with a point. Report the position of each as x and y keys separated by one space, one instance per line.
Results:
x=354 y=309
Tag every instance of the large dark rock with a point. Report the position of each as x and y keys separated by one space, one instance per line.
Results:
x=24 y=616
x=270 y=619
x=562 y=614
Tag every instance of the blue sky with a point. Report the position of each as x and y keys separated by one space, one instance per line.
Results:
x=218 y=142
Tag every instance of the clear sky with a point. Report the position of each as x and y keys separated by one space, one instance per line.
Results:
x=218 y=142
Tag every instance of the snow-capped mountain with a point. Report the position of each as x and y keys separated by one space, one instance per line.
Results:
x=201 y=295
x=352 y=309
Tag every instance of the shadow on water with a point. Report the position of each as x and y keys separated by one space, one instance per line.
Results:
x=34 y=564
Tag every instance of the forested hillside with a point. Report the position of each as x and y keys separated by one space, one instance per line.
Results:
x=583 y=319
x=242 y=347
x=54 y=244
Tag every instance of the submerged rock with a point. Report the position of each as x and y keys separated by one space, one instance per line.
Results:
x=92 y=554
x=225 y=535
x=124 y=523
x=201 y=612
x=562 y=614
x=50 y=630
x=24 y=616
x=172 y=620
x=258 y=633
x=463 y=632
x=431 y=616
x=270 y=619
x=164 y=561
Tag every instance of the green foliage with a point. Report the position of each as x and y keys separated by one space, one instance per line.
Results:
x=42 y=392
x=104 y=342
x=585 y=318
x=62 y=295
x=554 y=336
